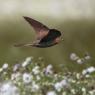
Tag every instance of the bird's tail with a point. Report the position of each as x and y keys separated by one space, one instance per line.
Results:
x=23 y=45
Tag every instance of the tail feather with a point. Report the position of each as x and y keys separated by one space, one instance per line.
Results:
x=23 y=45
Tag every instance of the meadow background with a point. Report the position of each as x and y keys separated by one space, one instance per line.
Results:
x=75 y=18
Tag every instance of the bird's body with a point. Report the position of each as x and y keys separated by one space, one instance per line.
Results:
x=45 y=37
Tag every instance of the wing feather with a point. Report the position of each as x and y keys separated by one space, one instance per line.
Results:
x=39 y=28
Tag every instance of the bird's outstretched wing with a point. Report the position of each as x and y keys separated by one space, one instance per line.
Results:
x=39 y=28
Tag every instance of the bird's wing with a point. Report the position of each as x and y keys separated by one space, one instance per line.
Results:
x=40 y=28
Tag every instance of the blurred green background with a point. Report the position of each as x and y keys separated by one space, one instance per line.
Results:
x=74 y=18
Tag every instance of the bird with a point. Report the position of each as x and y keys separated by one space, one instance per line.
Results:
x=45 y=37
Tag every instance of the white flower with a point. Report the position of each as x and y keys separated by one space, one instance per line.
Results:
x=36 y=67
x=80 y=61
x=73 y=56
x=1 y=69
x=38 y=77
x=51 y=93
x=78 y=76
x=88 y=70
x=16 y=66
x=73 y=91
x=58 y=86
x=35 y=87
x=91 y=69
x=8 y=88
x=87 y=56
x=16 y=76
x=64 y=83
x=64 y=93
x=48 y=69
x=27 y=78
x=92 y=92
x=84 y=72
x=5 y=66
x=36 y=70
x=84 y=89
x=49 y=66
x=87 y=75
x=26 y=62
x=28 y=59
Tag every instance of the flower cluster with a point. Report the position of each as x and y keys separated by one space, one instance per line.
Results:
x=35 y=78
x=79 y=60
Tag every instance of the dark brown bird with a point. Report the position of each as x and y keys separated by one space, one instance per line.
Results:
x=45 y=37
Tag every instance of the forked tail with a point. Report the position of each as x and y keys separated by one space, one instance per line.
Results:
x=23 y=45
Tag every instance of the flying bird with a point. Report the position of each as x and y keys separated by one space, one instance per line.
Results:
x=45 y=37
